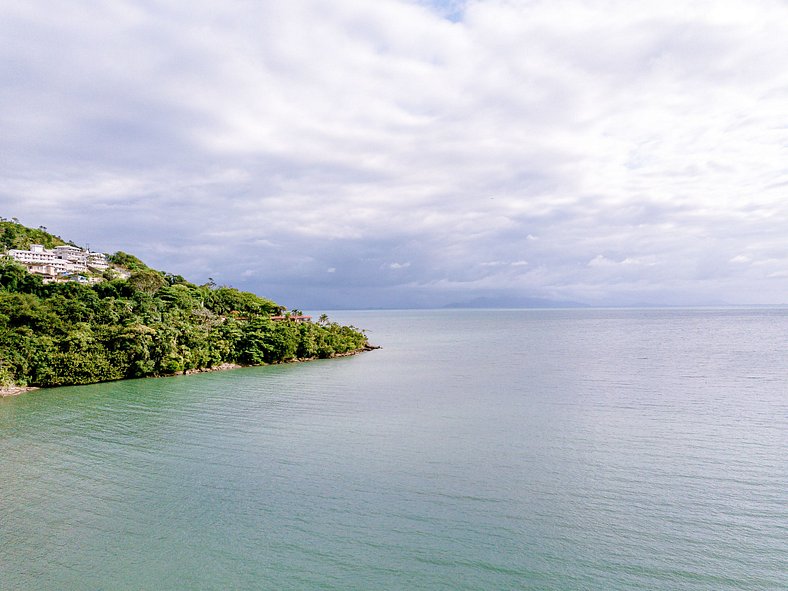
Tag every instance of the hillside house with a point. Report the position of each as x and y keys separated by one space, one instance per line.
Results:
x=59 y=262
x=292 y=318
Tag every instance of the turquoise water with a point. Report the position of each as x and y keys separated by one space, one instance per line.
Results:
x=580 y=449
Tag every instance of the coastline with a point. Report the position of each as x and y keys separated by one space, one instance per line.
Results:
x=8 y=391
x=229 y=366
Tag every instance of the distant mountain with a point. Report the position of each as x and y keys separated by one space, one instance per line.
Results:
x=514 y=302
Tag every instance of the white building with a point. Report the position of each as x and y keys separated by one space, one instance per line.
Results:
x=48 y=269
x=65 y=251
x=97 y=260
x=36 y=255
x=59 y=260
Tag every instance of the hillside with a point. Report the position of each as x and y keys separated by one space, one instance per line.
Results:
x=150 y=324
x=15 y=235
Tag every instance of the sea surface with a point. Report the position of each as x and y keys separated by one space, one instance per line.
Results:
x=478 y=449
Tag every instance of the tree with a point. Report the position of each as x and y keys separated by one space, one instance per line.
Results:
x=148 y=281
x=128 y=261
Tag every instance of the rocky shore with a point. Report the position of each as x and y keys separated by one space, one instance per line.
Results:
x=15 y=390
x=226 y=366
x=220 y=367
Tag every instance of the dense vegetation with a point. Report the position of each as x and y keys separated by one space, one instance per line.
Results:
x=15 y=235
x=150 y=324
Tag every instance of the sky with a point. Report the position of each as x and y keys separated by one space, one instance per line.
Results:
x=408 y=153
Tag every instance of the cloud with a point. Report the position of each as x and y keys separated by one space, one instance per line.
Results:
x=264 y=143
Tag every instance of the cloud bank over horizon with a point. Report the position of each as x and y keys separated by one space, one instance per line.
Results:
x=410 y=153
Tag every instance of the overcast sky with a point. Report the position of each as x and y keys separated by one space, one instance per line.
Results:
x=359 y=153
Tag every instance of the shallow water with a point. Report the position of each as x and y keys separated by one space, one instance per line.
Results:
x=579 y=449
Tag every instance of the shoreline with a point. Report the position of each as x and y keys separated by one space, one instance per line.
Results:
x=229 y=366
x=8 y=391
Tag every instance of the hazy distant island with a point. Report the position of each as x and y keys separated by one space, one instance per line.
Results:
x=72 y=316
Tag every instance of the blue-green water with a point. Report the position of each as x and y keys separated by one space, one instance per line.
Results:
x=592 y=449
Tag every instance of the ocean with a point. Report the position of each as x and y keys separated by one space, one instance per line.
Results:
x=478 y=449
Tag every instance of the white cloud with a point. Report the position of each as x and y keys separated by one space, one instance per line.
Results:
x=315 y=133
x=600 y=261
x=504 y=263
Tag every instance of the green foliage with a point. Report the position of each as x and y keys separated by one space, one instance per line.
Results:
x=15 y=235
x=147 y=281
x=228 y=300
x=14 y=278
x=128 y=261
x=150 y=324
